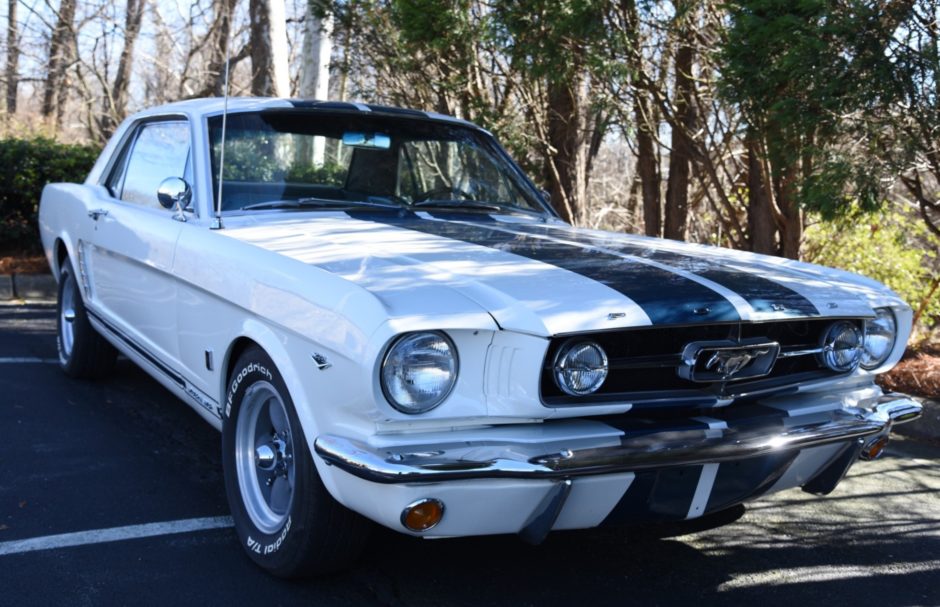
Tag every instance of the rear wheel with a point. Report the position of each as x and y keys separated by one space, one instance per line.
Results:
x=83 y=352
x=286 y=520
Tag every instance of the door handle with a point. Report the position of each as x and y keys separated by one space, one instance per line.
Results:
x=96 y=213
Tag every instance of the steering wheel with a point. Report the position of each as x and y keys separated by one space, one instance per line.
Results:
x=431 y=194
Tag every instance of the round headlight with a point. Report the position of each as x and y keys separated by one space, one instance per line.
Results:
x=880 y=333
x=841 y=346
x=580 y=368
x=419 y=371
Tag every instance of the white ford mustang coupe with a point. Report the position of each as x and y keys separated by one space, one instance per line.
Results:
x=388 y=323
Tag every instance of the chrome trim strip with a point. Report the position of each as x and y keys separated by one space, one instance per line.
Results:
x=140 y=350
x=793 y=353
x=198 y=396
x=661 y=449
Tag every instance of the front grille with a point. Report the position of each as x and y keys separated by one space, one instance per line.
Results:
x=645 y=362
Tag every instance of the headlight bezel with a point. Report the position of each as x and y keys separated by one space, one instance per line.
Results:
x=391 y=350
x=875 y=363
x=827 y=354
x=558 y=369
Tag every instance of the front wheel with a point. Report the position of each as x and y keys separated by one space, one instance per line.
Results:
x=286 y=520
x=83 y=353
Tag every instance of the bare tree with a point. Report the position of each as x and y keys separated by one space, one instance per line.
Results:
x=114 y=102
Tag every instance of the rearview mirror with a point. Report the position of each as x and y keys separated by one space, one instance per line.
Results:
x=367 y=140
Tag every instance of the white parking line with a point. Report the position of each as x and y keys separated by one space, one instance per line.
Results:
x=27 y=360
x=114 y=534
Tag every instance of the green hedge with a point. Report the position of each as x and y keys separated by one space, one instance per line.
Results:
x=26 y=165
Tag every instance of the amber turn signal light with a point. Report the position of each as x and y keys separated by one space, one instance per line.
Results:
x=422 y=514
x=874 y=449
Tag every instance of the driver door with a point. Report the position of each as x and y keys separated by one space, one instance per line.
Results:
x=134 y=242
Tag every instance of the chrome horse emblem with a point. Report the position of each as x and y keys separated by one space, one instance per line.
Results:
x=727 y=360
x=728 y=363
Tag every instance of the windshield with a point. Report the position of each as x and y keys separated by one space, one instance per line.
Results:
x=296 y=159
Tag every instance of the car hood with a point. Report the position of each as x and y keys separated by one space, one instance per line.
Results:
x=549 y=278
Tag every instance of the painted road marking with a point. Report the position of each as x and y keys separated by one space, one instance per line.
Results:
x=27 y=360
x=114 y=534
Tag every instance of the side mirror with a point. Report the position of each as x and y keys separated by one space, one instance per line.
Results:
x=174 y=192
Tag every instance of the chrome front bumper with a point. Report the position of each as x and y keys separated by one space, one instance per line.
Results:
x=662 y=446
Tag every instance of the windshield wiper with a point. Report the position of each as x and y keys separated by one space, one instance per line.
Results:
x=462 y=204
x=477 y=205
x=315 y=203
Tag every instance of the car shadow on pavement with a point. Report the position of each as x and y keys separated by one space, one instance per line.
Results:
x=759 y=566
x=875 y=539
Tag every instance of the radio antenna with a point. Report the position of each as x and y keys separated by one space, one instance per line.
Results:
x=217 y=221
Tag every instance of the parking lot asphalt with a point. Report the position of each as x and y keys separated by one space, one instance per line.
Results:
x=111 y=494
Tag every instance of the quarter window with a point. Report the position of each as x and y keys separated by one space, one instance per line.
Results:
x=161 y=150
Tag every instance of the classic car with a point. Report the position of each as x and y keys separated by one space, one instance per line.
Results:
x=389 y=324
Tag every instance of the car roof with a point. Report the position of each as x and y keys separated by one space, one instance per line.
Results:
x=198 y=108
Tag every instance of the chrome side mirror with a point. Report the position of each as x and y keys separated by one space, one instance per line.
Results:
x=174 y=192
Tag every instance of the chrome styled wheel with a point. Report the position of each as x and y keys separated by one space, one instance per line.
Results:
x=286 y=520
x=83 y=353
x=265 y=457
x=67 y=317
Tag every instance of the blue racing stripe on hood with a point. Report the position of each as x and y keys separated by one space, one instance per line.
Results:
x=666 y=297
x=763 y=294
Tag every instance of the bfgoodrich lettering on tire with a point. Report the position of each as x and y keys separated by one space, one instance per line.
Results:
x=286 y=520
x=83 y=353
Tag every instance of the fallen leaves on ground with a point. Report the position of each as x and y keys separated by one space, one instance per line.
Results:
x=917 y=374
x=20 y=264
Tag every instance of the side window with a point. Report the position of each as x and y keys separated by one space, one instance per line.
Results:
x=116 y=179
x=161 y=150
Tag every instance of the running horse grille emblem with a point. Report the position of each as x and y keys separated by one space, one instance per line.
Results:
x=726 y=360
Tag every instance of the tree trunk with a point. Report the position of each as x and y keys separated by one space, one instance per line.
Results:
x=317 y=50
x=13 y=56
x=268 y=40
x=647 y=165
x=115 y=104
x=315 y=67
x=565 y=139
x=219 y=40
x=791 y=230
x=647 y=162
x=59 y=54
x=677 y=188
x=762 y=229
